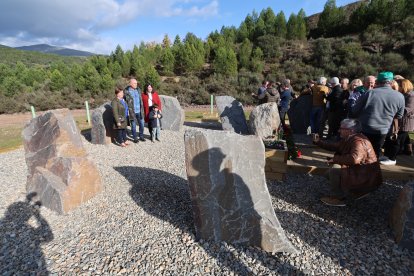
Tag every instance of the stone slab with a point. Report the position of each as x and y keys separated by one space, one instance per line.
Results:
x=264 y=120
x=173 y=114
x=59 y=171
x=102 y=125
x=231 y=114
x=230 y=198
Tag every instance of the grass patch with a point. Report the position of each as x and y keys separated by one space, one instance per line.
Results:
x=11 y=136
x=193 y=115
x=411 y=134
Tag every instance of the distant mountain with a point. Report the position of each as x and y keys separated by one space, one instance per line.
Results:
x=45 y=48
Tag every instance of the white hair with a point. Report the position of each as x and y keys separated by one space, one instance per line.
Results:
x=322 y=80
x=334 y=81
x=353 y=124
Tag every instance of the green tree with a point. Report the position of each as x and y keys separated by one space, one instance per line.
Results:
x=118 y=55
x=257 y=63
x=269 y=19
x=57 y=81
x=331 y=20
x=125 y=66
x=166 y=42
x=5 y=71
x=225 y=62
x=291 y=27
x=152 y=77
x=280 y=25
x=11 y=86
x=245 y=53
x=167 y=60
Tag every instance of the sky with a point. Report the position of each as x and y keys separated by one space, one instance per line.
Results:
x=98 y=26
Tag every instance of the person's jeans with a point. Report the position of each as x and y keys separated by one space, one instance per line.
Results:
x=121 y=135
x=282 y=114
x=134 y=126
x=155 y=133
x=315 y=118
x=393 y=147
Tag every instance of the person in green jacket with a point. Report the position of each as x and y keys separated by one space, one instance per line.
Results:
x=120 y=111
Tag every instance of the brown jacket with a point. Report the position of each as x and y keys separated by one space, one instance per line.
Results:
x=360 y=169
x=319 y=93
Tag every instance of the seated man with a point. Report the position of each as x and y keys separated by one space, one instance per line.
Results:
x=355 y=171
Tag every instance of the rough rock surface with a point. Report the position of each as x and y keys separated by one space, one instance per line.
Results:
x=231 y=114
x=173 y=114
x=59 y=171
x=402 y=217
x=264 y=120
x=299 y=114
x=102 y=124
x=229 y=195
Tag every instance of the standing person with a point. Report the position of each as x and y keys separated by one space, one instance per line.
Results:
x=377 y=109
x=319 y=93
x=271 y=95
x=261 y=92
x=393 y=144
x=369 y=83
x=345 y=95
x=285 y=99
x=132 y=95
x=357 y=90
x=337 y=112
x=120 y=112
x=155 y=122
x=149 y=98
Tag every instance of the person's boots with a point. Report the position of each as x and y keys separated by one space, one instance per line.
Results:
x=408 y=149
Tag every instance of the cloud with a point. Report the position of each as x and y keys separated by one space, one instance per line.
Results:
x=82 y=22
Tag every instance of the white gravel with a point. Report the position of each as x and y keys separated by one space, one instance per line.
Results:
x=142 y=224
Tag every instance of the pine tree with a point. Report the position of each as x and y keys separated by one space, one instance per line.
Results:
x=280 y=25
x=245 y=53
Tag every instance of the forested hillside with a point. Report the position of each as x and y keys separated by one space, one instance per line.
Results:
x=353 y=42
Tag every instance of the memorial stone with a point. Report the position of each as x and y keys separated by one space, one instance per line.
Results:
x=231 y=114
x=228 y=190
x=299 y=114
x=102 y=125
x=264 y=120
x=173 y=114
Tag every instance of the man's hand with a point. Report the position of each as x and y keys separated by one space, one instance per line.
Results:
x=118 y=124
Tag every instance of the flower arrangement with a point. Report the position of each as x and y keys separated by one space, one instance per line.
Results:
x=282 y=141
x=286 y=133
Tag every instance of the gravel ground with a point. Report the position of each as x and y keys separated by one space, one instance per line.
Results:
x=142 y=224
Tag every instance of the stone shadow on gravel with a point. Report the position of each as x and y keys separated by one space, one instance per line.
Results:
x=362 y=222
x=167 y=197
x=20 y=251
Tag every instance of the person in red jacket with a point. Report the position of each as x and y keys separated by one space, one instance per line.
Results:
x=150 y=97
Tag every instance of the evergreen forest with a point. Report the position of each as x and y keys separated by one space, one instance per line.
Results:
x=354 y=41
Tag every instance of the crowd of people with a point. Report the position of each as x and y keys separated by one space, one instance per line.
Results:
x=132 y=107
x=367 y=123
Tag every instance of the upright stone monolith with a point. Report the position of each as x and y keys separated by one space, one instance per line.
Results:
x=102 y=125
x=231 y=114
x=59 y=171
x=402 y=217
x=228 y=189
x=264 y=120
x=173 y=114
x=299 y=114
